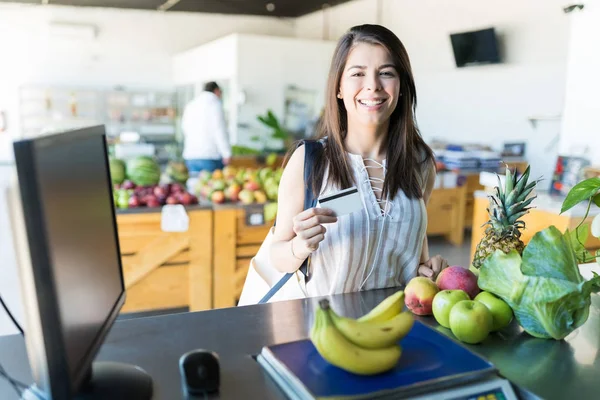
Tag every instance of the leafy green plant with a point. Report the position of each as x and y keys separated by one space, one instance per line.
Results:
x=277 y=131
x=585 y=191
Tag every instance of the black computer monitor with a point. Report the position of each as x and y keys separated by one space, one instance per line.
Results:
x=70 y=267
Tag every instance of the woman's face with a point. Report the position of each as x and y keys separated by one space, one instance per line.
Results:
x=370 y=85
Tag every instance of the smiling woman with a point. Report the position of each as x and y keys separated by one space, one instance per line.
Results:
x=371 y=141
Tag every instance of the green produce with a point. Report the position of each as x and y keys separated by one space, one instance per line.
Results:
x=270 y=211
x=443 y=302
x=143 y=171
x=544 y=287
x=123 y=198
x=507 y=207
x=117 y=171
x=177 y=172
x=470 y=321
x=501 y=312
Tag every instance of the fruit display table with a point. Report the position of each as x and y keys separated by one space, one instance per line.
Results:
x=446 y=214
x=546 y=212
x=164 y=270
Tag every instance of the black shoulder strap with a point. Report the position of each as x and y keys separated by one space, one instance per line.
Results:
x=312 y=151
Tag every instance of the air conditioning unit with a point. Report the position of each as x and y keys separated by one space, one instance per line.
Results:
x=72 y=31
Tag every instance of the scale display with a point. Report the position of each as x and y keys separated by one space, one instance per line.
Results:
x=491 y=389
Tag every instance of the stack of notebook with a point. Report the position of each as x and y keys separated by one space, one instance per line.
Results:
x=430 y=361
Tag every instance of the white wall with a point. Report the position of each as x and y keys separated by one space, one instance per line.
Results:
x=488 y=104
x=260 y=67
x=133 y=48
x=581 y=122
x=267 y=65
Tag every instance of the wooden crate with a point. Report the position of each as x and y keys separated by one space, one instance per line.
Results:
x=235 y=243
x=164 y=270
x=446 y=214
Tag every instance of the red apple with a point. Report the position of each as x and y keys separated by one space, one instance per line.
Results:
x=152 y=202
x=251 y=185
x=128 y=185
x=134 y=201
x=166 y=187
x=177 y=188
x=172 y=200
x=217 y=197
x=419 y=294
x=185 y=199
x=194 y=200
x=159 y=191
x=458 y=278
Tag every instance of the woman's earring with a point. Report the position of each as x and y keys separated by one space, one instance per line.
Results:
x=339 y=95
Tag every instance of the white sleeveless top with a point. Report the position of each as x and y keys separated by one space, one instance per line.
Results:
x=371 y=248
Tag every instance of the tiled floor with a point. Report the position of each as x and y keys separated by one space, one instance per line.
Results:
x=454 y=255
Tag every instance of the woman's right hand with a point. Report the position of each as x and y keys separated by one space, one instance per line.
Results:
x=310 y=231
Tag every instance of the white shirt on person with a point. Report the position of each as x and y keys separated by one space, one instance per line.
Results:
x=204 y=129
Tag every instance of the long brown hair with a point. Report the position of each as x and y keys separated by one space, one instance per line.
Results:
x=406 y=149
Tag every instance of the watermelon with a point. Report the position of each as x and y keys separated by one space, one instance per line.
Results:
x=177 y=172
x=117 y=170
x=143 y=171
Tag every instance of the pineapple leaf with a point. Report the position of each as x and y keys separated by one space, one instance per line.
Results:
x=513 y=218
x=510 y=199
x=509 y=182
x=520 y=206
x=522 y=180
x=580 y=192
x=526 y=191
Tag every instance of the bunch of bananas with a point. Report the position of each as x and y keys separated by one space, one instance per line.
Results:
x=364 y=346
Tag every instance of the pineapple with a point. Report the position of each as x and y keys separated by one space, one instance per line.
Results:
x=504 y=227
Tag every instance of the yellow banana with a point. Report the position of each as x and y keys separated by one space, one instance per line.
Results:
x=387 y=309
x=339 y=351
x=374 y=335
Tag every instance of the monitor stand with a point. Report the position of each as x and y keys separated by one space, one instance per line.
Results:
x=109 y=380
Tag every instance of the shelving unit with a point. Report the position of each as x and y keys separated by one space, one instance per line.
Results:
x=150 y=113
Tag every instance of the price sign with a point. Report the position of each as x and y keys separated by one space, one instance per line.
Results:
x=174 y=218
x=255 y=214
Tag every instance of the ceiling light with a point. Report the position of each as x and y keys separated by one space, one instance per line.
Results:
x=270 y=7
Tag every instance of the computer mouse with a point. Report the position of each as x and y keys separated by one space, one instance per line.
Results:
x=199 y=371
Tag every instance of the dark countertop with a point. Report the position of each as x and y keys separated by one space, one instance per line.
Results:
x=551 y=369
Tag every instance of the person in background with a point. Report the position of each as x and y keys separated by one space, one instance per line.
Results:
x=371 y=141
x=206 y=144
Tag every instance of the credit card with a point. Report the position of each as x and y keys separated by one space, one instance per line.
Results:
x=343 y=202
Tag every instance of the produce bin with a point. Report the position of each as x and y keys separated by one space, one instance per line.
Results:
x=446 y=214
x=166 y=270
x=238 y=234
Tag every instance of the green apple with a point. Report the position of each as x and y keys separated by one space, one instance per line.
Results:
x=501 y=312
x=443 y=303
x=470 y=321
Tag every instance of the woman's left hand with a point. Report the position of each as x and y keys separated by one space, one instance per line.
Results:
x=432 y=267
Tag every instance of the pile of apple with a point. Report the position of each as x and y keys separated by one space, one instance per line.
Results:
x=130 y=195
x=457 y=303
x=243 y=185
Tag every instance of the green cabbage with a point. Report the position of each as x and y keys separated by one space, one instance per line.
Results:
x=544 y=287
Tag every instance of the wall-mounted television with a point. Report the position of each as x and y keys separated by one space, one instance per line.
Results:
x=475 y=47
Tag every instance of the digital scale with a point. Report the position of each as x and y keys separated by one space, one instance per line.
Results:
x=432 y=367
x=489 y=389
